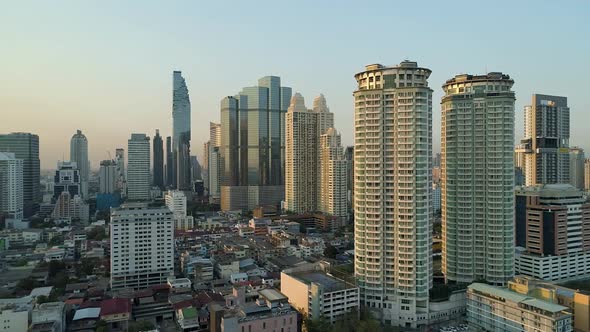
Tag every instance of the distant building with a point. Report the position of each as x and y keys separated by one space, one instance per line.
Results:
x=142 y=246
x=49 y=316
x=181 y=133
x=332 y=175
x=492 y=308
x=318 y=294
x=138 y=167
x=11 y=186
x=587 y=174
x=67 y=178
x=213 y=158
x=107 y=177
x=158 y=164
x=577 y=167
x=68 y=207
x=79 y=155
x=121 y=175
x=176 y=202
x=436 y=197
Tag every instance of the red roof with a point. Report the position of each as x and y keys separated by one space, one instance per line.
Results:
x=115 y=306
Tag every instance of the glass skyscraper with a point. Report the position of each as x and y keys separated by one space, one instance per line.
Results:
x=181 y=133
x=253 y=145
x=158 y=164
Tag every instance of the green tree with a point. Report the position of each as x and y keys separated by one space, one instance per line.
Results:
x=56 y=240
x=55 y=267
x=330 y=251
x=97 y=233
x=140 y=325
x=101 y=326
x=320 y=324
x=26 y=284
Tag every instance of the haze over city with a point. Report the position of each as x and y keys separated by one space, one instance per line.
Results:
x=105 y=67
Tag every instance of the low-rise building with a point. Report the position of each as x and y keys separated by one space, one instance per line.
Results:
x=49 y=316
x=116 y=313
x=492 y=308
x=14 y=319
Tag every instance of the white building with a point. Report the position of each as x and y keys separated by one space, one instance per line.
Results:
x=138 y=167
x=79 y=155
x=107 y=177
x=142 y=246
x=11 y=186
x=14 y=320
x=333 y=170
x=477 y=150
x=491 y=308
x=392 y=192
x=176 y=202
x=318 y=294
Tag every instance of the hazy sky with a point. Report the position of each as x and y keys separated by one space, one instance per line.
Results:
x=105 y=67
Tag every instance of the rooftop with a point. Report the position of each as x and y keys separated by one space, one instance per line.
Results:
x=327 y=282
x=516 y=297
x=115 y=306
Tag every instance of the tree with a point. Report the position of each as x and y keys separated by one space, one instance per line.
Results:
x=101 y=326
x=97 y=233
x=56 y=240
x=140 y=325
x=330 y=251
x=320 y=324
x=26 y=284
x=55 y=267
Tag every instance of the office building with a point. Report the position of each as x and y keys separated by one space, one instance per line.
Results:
x=477 y=173
x=142 y=246
x=169 y=163
x=552 y=232
x=577 y=167
x=138 y=167
x=11 y=186
x=181 y=133
x=121 y=175
x=214 y=163
x=79 y=155
x=253 y=145
x=316 y=293
x=492 y=308
x=107 y=177
x=393 y=198
x=332 y=175
x=158 y=165
x=195 y=170
x=546 y=141
x=25 y=146
x=67 y=178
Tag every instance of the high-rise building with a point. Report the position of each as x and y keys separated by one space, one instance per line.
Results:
x=587 y=174
x=67 y=179
x=349 y=156
x=577 y=167
x=253 y=145
x=214 y=162
x=121 y=175
x=302 y=158
x=181 y=133
x=546 y=142
x=142 y=246
x=393 y=198
x=158 y=172
x=520 y=157
x=71 y=207
x=176 y=202
x=107 y=177
x=552 y=232
x=25 y=146
x=169 y=163
x=332 y=175
x=477 y=173
x=11 y=186
x=138 y=167
x=195 y=169
x=79 y=155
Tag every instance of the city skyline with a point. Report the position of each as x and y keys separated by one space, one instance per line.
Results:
x=62 y=83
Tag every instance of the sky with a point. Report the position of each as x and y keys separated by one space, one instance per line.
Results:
x=105 y=67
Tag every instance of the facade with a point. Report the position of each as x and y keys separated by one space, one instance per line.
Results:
x=70 y=207
x=577 y=167
x=142 y=246
x=176 y=202
x=214 y=162
x=121 y=175
x=492 y=308
x=79 y=155
x=317 y=294
x=25 y=146
x=333 y=169
x=195 y=170
x=181 y=133
x=477 y=173
x=587 y=175
x=11 y=186
x=553 y=233
x=393 y=198
x=67 y=178
x=107 y=177
x=14 y=319
x=546 y=142
x=158 y=165
x=436 y=197
x=252 y=151
x=349 y=156
x=49 y=316
x=138 y=167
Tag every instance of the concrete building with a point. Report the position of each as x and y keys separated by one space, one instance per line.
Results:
x=11 y=186
x=68 y=208
x=349 y=156
x=477 y=177
x=142 y=246
x=25 y=146
x=67 y=179
x=214 y=162
x=252 y=150
x=181 y=133
x=138 y=167
x=158 y=164
x=169 y=168
x=121 y=175
x=552 y=232
x=79 y=155
x=176 y=202
x=436 y=197
x=49 y=316
x=546 y=140
x=107 y=177
x=492 y=308
x=577 y=167
x=14 y=319
x=333 y=168
x=316 y=293
x=393 y=198
x=587 y=175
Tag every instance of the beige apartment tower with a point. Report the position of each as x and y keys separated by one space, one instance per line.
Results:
x=478 y=178
x=393 y=192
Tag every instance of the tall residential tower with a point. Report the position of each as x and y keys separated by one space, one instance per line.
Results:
x=392 y=187
x=477 y=173
x=79 y=155
x=138 y=167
